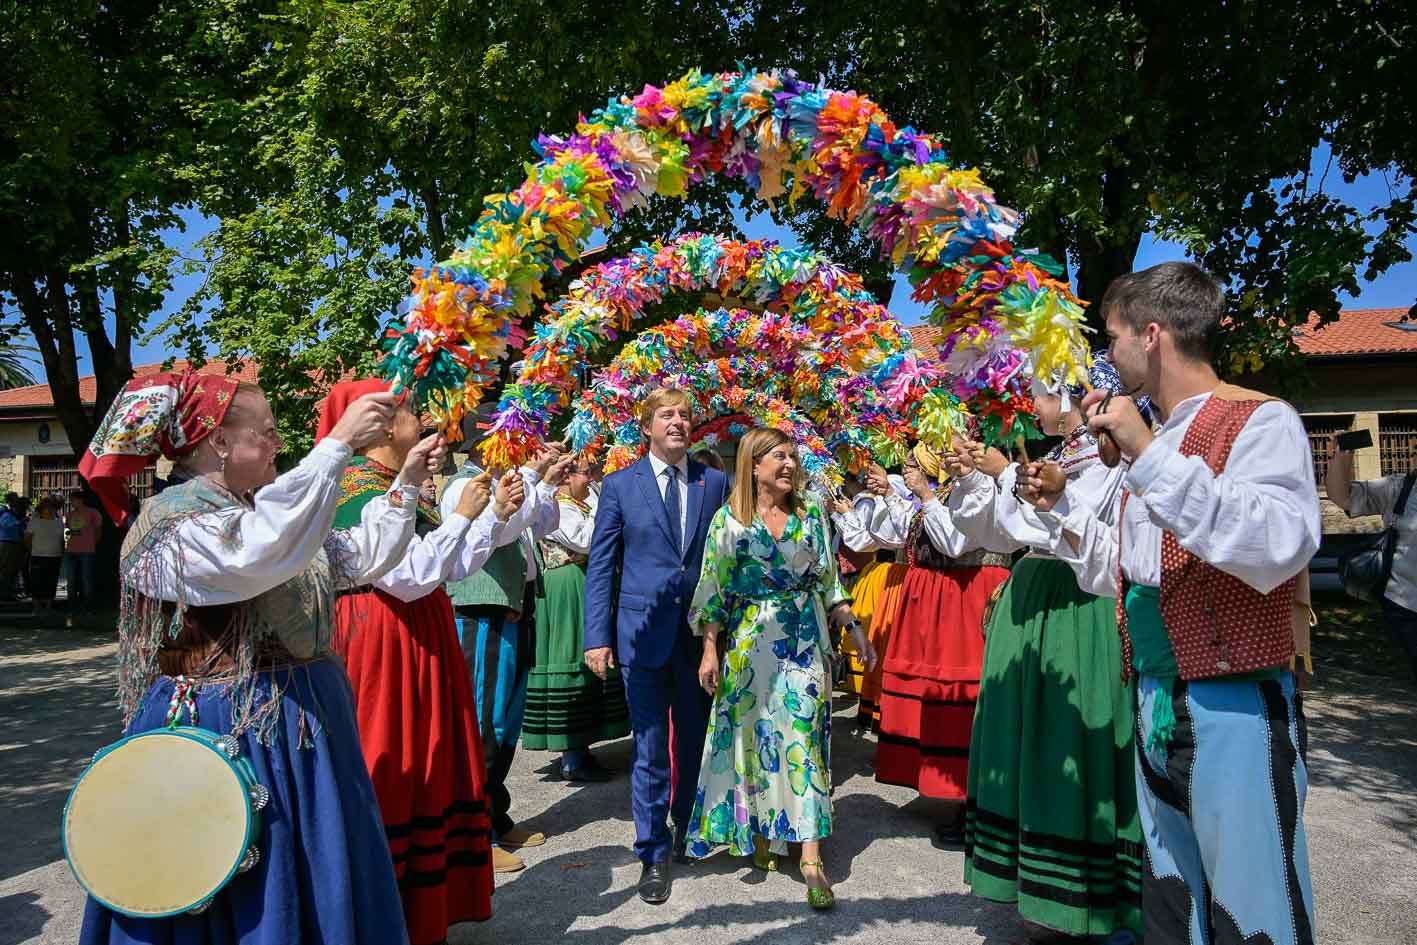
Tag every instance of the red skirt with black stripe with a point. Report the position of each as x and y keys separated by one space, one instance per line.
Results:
x=418 y=730
x=930 y=679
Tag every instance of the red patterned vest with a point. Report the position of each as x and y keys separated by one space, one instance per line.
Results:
x=1218 y=625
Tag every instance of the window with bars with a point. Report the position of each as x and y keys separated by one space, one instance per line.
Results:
x=59 y=477
x=1321 y=428
x=1397 y=443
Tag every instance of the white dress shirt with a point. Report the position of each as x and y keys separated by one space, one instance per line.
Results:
x=961 y=523
x=239 y=553
x=1258 y=520
x=538 y=513
x=1093 y=490
x=660 y=479
x=452 y=551
x=853 y=528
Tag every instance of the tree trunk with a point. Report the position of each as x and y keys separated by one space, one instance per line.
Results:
x=1098 y=265
x=47 y=314
x=1102 y=259
x=433 y=204
x=119 y=367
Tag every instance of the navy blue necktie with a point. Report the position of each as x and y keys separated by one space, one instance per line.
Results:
x=671 y=507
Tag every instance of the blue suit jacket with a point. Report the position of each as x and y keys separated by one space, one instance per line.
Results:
x=638 y=588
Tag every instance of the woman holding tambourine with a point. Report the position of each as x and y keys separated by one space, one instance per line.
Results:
x=226 y=688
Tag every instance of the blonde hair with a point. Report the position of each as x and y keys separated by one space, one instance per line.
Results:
x=663 y=397
x=743 y=502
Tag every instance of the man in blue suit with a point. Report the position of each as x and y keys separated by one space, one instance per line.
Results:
x=644 y=564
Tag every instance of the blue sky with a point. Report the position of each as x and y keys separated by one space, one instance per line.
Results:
x=1396 y=287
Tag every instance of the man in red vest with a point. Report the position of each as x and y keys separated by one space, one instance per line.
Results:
x=1210 y=539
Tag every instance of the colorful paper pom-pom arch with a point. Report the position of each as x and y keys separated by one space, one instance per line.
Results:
x=609 y=299
x=707 y=352
x=1000 y=308
x=763 y=410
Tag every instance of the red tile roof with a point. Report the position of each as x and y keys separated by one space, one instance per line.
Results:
x=38 y=395
x=1357 y=331
x=925 y=338
x=1360 y=331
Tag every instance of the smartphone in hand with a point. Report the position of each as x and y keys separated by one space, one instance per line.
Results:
x=1355 y=440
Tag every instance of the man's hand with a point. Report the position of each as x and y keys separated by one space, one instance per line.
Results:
x=1122 y=424
x=511 y=493
x=1041 y=485
x=556 y=475
x=475 y=496
x=546 y=459
x=600 y=661
x=988 y=460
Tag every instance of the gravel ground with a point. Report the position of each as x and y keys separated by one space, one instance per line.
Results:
x=893 y=885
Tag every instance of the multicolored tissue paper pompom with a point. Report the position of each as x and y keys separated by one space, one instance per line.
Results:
x=938 y=223
x=795 y=380
x=608 y=302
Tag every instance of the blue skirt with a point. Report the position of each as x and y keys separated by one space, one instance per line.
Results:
x=325 y=875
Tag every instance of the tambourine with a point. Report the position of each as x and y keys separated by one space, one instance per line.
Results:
x=162 y=821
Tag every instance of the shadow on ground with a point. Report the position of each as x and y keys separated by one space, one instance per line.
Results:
x=56 y=709
x=572 y=917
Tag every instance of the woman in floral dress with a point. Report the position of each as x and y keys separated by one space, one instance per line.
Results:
x=769 y=578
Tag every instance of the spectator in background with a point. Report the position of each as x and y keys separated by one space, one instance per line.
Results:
x=708 y=456
x=85 y=525
x=12 y=545
x=1380 y=497
x=45 y=537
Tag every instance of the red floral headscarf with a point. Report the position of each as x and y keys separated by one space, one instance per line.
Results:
x=158 y=414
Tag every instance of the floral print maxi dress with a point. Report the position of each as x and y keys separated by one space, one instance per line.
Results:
x=765 y=767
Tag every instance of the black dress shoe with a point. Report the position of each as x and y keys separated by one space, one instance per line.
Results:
x=588 y=770
x=681 y=852
x=951 y=834
x=654 y=883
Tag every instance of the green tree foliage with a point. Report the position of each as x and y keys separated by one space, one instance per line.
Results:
x=96 y=157
x=379 y=128
x=15 y=363
x=336 y=144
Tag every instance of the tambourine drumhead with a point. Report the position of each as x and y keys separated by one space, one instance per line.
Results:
x=157 y=825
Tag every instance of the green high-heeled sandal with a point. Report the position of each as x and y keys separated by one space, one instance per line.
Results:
x=763 y=857
x=817 y=897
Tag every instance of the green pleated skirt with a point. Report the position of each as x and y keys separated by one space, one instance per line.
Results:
x=1051 y=816
x=567 y=706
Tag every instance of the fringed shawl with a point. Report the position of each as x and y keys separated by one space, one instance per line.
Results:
x=290 y=623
